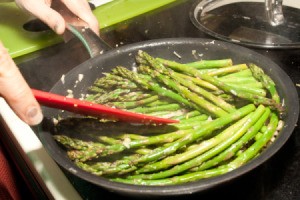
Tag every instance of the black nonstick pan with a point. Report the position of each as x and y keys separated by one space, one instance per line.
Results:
x=169 y=49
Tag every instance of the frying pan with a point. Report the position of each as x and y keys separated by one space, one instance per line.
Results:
x=169 y=49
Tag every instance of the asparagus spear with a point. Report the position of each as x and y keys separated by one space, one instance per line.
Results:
x=267 y=82
x=227 y=70
x=197 y=81
x=151 y=85
x=198 y=100
x=176 y=179
x=190 y=85
x=202 y=64
x=231 y=151
x=102 y=168
x=238 y=128
x=135 y=96
x=133 y=104
x=97 y=90
x=116 y=84
x=239 y=79
x=159 y=102
x=132 y=136
x=248 y=88
x=143 y=151
x=168 y=107
x=94 y=150
x=240 y=160
x=254 y=149
x=143 y=173
x=192 y=136
x=244 y=95
x=162 y=152
x=210 y=96
x=243 y=73
x=73 y=143
x=109 y=96
x=161 y=69
x=108 y=140
x=188 y=115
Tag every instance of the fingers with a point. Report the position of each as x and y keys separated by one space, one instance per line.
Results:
x=41 y=9
x=14 y=89
x=56 y=21
x=82 y=9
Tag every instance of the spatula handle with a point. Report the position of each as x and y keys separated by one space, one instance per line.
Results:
x=94 y=44
x=92 y=109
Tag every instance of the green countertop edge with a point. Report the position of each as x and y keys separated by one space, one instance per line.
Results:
x=108 y=15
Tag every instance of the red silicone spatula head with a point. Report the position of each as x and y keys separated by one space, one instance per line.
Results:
x=97 y=110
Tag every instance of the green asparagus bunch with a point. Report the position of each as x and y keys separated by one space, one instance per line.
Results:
x=228 y=115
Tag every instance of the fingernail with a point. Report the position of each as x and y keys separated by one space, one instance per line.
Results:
x=58 y=28
x=34 y=116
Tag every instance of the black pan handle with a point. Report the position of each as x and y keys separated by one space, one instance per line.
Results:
x=94 y=44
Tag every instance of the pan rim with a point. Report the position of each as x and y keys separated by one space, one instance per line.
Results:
x=199 y=185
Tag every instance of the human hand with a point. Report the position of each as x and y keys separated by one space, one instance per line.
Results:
x=14 y=89
x=56 y=13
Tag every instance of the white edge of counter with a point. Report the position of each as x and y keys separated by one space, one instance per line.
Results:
x=50 y=173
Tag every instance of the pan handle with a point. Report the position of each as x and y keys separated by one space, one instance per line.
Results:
x=94 y=44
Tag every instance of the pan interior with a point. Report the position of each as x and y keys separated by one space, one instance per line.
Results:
x=169 y=49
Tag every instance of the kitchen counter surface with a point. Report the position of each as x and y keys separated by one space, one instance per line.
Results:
x=277 y=179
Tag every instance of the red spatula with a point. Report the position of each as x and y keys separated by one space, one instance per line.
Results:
x=96 y=110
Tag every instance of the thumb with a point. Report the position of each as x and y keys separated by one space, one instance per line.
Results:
x=14 y=89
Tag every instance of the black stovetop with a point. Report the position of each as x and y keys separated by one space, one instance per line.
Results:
x=276 y=179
